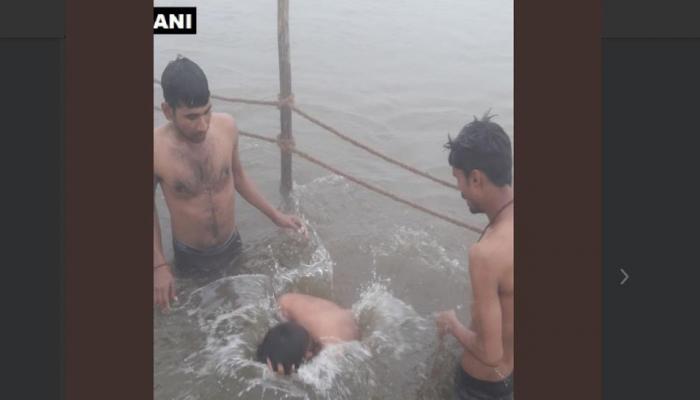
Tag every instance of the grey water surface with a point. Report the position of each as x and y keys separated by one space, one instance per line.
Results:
x=397 y=75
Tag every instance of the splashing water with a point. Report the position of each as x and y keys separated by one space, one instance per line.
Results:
x=232 y=314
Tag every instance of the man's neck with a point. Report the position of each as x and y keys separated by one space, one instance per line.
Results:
x=499 y=199
x=181 y=138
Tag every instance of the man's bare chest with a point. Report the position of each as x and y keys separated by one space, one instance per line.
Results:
x=194 y=173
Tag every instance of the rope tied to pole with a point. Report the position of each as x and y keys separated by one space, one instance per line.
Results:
x=289 y=146
x=286 y=145
x=364 y=184
x=238 y=99
x=285 y=101
x=289 y=102
x=371 y=150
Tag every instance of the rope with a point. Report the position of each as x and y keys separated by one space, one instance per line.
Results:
x=287 y=145
x=372 y=151
x=286 y=102
x=362 y=183
x=240 y=100
x=289 y=102
x=246 y=101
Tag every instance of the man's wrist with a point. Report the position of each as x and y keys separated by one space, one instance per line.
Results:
x=276 y=217
x=452 y=327
x=454 y=322
x=161 y=265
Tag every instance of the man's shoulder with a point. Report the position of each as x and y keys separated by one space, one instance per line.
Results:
x=160 y=136
x=500 y=237
x=480 y=253
x=225 y=125
x=488 y=252
x=307 y=302
x=160 y=133
x=224 y=120
x=493 y=253
x=487 y=247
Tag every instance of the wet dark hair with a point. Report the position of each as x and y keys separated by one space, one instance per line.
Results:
x=184 y=84
x=483 y=145
x=285 y=344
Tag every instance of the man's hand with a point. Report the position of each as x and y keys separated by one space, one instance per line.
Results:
x=163 y=287
x=445 y=322
x=291 y=222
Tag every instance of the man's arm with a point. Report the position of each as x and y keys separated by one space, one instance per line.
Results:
x=294 y=305
x=250 y=193
x=485 y=343
x=163 y=282
x=158 y=257
x=313 y=313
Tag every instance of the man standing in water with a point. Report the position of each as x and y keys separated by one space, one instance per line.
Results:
x=196 y=162
x=481 y=160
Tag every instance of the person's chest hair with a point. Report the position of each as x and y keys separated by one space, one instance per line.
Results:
x=208 y=168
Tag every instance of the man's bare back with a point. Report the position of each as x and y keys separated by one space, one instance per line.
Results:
x=325 y=321
x=481 y=161
x=492 y=269
x=197 y=180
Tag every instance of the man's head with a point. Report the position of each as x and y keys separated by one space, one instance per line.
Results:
x=285 y=347
x=481 y=159
x=186 y=94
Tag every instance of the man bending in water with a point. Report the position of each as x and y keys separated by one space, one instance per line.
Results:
x=481 y=160
x=311 y=324
x=196 y=163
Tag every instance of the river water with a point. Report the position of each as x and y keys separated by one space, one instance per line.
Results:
x=397 y=75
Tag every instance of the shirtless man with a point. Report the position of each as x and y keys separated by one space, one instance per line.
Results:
x=196 y=163
x=311 y=323
x=481 y=160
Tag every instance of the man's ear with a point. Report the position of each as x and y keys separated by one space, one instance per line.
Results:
x=476 y=178
x=168 y=111
x=310 y=350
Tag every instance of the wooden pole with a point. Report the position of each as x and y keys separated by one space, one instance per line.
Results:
x=285 y=92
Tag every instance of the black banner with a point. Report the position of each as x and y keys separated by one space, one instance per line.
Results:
x=175 y=20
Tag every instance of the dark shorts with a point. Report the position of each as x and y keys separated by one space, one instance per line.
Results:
x=470 y=388
x=193 y=262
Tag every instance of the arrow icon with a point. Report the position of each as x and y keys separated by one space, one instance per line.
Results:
x=625 y=278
